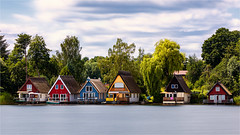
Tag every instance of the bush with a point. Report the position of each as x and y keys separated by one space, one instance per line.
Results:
x=6 y=98
x=237 y=100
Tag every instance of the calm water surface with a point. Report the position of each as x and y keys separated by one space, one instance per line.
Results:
x=120 y=119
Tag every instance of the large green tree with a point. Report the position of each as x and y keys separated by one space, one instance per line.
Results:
x=38 y=54
x=195 y=68
x=91 y=68
x=219 y=45
x=120 y=57
x=70 y=56
x=158 y=69
x=3 y=47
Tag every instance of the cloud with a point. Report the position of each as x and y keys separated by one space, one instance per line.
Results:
x=99 y=23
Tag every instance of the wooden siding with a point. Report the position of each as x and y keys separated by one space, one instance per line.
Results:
x=24 y=88
x=59 y=90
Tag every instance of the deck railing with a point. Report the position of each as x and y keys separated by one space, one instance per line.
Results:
x=173 y=98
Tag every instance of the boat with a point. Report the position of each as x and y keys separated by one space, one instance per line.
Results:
x=53 y=102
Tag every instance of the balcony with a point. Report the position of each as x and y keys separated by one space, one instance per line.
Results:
x=173 y=98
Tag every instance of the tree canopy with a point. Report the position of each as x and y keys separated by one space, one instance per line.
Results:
x=219 y=45
x=158 y=69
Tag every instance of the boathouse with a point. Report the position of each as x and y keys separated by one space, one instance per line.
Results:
x=123 y=89
x=177 y=91
x=35 y=89
x=219 y=94
x=65 y=89
x=93 y=91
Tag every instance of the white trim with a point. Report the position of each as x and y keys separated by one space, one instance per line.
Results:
x=93 y=85
x=59 y=78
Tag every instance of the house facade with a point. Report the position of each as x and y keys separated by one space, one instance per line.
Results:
x=93 y=91
x=219 y=94
x=123 y=89
x=35 y=89
x=177 y=91
x=65 y=89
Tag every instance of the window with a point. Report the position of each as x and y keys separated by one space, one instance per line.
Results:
x=223 y=97
x=55 y=97
x=88 y=88
x=56 y=87
x=118 y=85
x=127 y=95
x=175 y=95
x=211 y=97
x=170 y=95
x=174 y=86
x=217 y=88
x=61 y=86
x=63 y=97
x=111 y=96
x=167 y=95
x=29 y=87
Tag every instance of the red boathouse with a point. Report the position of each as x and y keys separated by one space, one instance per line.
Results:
x=64 y=89
x=219 y=94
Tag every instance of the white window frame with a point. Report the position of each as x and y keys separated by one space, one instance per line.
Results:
x=223 y=97
x=28 y=87
x=174 y=86
x=89 y=88
x=211 y=97
x=55 y=97
x=217 y=88
x=64 y=97
x=56 y=87
x=119 y=85
x=61 y=86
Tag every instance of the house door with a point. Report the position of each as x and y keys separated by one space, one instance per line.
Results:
x=219 y=98
x=215 y=98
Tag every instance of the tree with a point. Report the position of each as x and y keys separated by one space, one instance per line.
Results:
x=195 y=68
x=3 y=46
x=5 y=84
x=119 y=58
x=158 y=69
x=70 y=50
x=219 y=45
x=22 y=42
x=91 y=68
x=70 y=55
x=38 y=54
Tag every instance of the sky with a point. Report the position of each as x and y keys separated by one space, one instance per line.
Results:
x=98 y=23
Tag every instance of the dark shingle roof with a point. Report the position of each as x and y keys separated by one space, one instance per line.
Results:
x=183 y=83
x=40 y=83
x=70 y=83
x=183 y=86
x=129 y=81
x=223 y=87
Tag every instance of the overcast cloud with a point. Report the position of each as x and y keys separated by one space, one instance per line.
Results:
x=98 y=23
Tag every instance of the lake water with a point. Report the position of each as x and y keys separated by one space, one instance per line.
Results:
x=120 y=119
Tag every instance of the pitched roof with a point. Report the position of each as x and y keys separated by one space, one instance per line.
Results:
x=181 y=82
x=70 y=83
x=180 y=72
x=223 y=87
x=40 y=83
x=129 y=81
x=97 y=83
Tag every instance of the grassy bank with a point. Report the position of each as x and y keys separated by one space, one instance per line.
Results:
x=6 y=98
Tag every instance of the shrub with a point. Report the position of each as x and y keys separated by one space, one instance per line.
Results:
x=237 y=100
x=6 y=98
